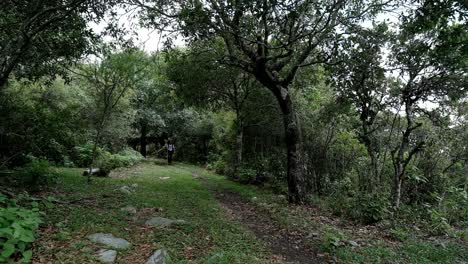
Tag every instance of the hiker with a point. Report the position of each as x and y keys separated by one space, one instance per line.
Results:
x=170 y=151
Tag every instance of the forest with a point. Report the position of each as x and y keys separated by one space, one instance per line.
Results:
x=302 y=131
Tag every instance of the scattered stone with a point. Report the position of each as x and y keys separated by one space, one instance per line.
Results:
x=164 y=178
x=352 y=243
x=107 y=255
x=158 y=257
x=125 y=189
x=109 y=240
x=254 y=198
x=163 y=222
x=129 y=209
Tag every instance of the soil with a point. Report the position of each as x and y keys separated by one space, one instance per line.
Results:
x=287 y=245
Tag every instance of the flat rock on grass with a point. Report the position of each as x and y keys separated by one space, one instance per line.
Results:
x=106 y=255
x=125 y=189
x=158 y=257
x=109 y=240
x=163 y=222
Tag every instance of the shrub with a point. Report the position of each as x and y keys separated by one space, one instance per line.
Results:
x=332 y=238
x=17 y=227
x=38 y=172
x=247 y=175
x=107 y=161
x=369 y=208
x=83 y=155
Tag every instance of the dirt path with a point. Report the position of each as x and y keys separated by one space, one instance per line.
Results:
x=287 y=245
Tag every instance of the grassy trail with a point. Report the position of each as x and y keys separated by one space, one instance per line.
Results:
x=225 y=223
x=207 y=237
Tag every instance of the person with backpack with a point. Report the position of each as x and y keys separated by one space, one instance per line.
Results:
x=170 y=151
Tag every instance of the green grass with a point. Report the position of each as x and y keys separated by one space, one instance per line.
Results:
x=208 y=236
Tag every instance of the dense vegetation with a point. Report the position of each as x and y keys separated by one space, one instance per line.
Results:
x=359 y=108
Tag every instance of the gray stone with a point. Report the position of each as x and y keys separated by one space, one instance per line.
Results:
x=163 y=222
x=353 y=243
x=129 y=209
x=106 y=255
x=158 y=257
x=109 y=240
x=164 y=178
x=125 y=189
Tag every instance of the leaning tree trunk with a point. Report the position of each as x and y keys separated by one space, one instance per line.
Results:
x=295 y=168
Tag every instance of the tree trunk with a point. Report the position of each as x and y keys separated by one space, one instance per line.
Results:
x=143 y=140
x=397 y=180
x=93 y=155
x=295 y=170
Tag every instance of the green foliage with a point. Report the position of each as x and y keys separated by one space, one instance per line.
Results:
x=17 y=227
x=332 y=239
x=370 y=208
x=399 y=233
x=126 y=158
x=83 y=155
x=37 y=173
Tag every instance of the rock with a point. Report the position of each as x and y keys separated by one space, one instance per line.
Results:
x=158 y=257
x=164 y=178
x=163 y=222
x=95 y=171
x=129 y=209
x=254 y=199
x=352 y=243
x=107 y=255
x=282 y=197
x=125 y=189
x=109 y=240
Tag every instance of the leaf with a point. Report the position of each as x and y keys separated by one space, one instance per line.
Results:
x=27 y=256
x=8 y=249
x=27 y=236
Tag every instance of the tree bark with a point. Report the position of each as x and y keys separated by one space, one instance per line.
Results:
x=397 y=181
x=295 y=170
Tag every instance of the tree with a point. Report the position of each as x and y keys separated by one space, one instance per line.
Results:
x=270 y=40
x=429 y=55
x=361 y=79
x=110 y=81
x=38 y=35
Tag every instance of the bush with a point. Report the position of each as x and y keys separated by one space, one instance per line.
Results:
x=247 y=175
x=38 y=172
x=369 y=208
x=83 y=155
x=332 y=238
x=107 y=161
x=17 y=227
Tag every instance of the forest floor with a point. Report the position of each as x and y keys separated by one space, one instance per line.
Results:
x=225 y=222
